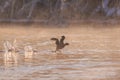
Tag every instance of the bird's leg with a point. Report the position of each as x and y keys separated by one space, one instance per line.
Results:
x=56 y=51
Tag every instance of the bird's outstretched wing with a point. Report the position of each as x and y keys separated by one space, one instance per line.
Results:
x=55 y=39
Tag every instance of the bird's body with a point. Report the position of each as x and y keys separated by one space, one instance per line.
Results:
x=60 y=44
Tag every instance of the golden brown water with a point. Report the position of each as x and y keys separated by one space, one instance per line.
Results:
x=93 y=53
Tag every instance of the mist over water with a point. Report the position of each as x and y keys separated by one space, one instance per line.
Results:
x=93 y=53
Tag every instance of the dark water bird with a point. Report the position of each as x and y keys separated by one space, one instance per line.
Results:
x=59 y=43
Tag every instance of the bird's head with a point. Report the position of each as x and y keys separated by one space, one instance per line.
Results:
x=63 y=37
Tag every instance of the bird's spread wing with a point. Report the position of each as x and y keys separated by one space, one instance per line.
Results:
x=55 y=39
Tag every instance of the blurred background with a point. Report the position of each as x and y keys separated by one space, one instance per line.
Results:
x=58 y=10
